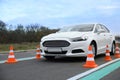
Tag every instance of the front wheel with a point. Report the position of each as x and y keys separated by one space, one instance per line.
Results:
x=94 y=49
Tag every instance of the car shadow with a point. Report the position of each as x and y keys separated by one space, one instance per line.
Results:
x=99 y=56
x=67 y=59
x=72 y=59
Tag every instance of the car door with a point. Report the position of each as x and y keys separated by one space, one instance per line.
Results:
x=108 y=36
x=100 y=39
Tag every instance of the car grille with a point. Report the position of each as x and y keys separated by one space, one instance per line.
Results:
x=56 y=43
x=63 y=52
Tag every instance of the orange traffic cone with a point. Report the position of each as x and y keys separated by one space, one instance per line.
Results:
x=107 y=57
x=117 y=52
x=11 y=57
x=38 y=55
x=90 y=63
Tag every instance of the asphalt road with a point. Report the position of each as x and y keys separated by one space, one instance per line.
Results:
x=4 y=56
x=59 y=69
x=115 y=75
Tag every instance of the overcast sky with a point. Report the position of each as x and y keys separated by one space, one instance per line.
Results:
x=56 y=13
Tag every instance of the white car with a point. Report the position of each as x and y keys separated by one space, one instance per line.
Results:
x=73 y=41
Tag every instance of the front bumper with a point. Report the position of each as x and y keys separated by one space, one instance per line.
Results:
x=75 y=49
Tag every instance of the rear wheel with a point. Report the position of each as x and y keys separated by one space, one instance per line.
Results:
x=112 y=49
x=50 y=57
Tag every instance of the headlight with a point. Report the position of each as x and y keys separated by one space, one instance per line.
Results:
x=79 y=39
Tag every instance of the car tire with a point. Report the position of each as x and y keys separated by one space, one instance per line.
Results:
x=94 y=49
x=50 y=57
x=113 y=49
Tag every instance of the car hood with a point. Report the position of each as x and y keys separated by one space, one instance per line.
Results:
x=66 y=35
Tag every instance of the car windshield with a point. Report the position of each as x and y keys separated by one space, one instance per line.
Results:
x=80 y=28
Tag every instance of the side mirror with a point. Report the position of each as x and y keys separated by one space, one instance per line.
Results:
x=101 y=31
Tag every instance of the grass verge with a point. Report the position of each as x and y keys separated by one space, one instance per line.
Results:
x=21 y=46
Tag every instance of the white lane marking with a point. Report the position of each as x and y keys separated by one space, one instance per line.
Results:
x=1 y=62
x=27 y=58
x=21 y=59
x=92 y=70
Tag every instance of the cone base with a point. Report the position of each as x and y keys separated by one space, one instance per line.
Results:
x=11 y=61
x=38 y=56
x=108 y=58
x=117 y=56
x=90 y=66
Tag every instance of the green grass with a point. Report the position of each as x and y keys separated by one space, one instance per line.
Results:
x=21 y=46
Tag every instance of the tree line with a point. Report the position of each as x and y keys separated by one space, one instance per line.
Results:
x=29 y=33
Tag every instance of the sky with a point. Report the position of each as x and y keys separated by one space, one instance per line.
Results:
x=57 y=13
